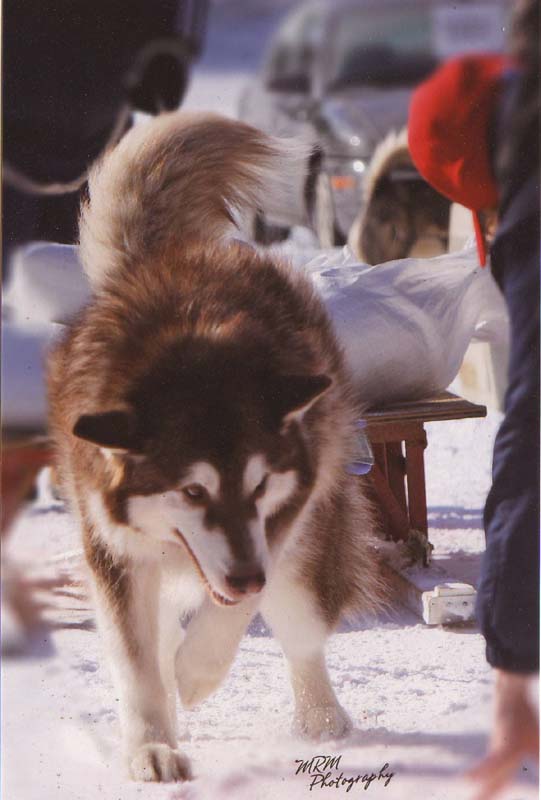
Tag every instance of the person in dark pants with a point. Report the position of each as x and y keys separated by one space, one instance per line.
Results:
x=474 y=134
x=72 y=73
x=508 y=594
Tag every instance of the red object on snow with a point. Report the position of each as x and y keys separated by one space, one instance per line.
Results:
x=21 y=462
x=449 y=131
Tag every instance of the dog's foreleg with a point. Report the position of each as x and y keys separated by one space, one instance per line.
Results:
x=292 y=613
x=128 y=610
x=208 y=649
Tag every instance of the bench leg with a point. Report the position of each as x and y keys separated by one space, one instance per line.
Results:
x=380 y=464
x=396 y=472
x=415 y=475
x=395 y=517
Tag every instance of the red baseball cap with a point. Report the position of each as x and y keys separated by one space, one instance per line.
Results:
x=449 y=129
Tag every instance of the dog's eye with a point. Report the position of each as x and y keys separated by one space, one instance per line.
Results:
x=259 y=490
x=194 y=492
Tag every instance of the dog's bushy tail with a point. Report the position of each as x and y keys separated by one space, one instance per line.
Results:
x=180 y=178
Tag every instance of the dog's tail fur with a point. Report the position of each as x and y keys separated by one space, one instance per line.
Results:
x=180 y=178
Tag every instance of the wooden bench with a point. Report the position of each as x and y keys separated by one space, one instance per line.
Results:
x=398 y=440
x=22 y=458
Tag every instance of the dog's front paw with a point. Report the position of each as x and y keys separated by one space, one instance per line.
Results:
x=319 y=723
x=159 y=762
x=197 y=681
x=194 y=688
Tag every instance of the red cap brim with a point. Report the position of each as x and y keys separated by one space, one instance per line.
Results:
x=480 y=238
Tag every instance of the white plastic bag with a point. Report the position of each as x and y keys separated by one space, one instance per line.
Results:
x=46 y=284
x=24 y=349
x=405 y=325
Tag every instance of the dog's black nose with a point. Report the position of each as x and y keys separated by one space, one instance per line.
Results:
x=249 y=580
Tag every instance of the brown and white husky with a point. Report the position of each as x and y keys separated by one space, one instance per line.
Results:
x=204 y=422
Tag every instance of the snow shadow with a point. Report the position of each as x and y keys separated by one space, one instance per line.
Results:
x=258 y=628
x=41 y=511
x=460 y=744
x=462 y=565
x=468 y=745
x=392 y=617
x=455 y=518
x=398 y=617
x=36 y=645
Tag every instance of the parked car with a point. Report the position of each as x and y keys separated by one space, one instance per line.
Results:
x=340 y=73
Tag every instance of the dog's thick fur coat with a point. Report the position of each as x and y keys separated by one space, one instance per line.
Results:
x=204 y=422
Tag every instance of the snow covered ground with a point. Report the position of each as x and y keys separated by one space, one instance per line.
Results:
x=419 y=697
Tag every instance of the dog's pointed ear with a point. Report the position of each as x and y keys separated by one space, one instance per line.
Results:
x=113 y=430
x=293 y=395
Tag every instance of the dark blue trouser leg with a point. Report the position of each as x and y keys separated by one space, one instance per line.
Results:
x=508 y=594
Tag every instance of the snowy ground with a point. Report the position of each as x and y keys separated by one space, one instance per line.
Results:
x=419 y=697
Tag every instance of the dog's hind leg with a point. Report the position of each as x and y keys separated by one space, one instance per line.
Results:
x=209 y=647
x=292 y=613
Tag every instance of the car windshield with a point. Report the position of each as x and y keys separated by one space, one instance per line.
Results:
x=384 y=47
